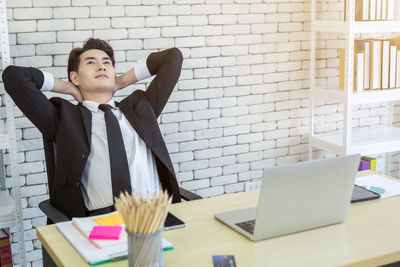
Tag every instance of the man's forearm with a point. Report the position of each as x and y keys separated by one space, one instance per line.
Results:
x=138 y=73
x=126 y=79
x=60 y=86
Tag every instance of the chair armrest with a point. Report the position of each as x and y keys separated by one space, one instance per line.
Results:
x=187 y=195
x=53 y=214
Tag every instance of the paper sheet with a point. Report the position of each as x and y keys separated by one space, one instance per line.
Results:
x=379 y=184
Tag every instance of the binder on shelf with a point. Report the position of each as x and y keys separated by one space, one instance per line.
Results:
x=359 y=72
x=342 y=62
x=390 y=10
x=365 y=45
x=362 y=10
x=372 y=10
x=384 y=9
x=372 y=162
x=398 y=70
x=385 y=64
x=376 y=64
x=392 y=68
x=378 y=10
x=396 y=42
x=364 y=165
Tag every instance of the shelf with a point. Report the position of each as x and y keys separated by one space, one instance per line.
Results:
x=366 y=97
x=359 y=26
x=7 y=206
x=366 y=141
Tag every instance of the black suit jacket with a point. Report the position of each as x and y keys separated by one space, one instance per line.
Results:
x=69 y=126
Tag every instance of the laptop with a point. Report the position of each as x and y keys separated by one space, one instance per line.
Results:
x=298 y=197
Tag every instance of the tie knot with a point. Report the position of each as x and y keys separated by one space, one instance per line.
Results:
x=105 y=107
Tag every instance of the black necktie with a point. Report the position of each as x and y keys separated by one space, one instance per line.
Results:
x=120 y=177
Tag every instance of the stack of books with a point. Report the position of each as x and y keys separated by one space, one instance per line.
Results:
x=372 y=10
x=376 y=64
x=367 y=163
x=100 y=249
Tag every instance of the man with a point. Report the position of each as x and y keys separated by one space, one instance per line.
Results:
x=93 y=162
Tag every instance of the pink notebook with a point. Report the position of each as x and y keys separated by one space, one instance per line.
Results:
x=105 y=232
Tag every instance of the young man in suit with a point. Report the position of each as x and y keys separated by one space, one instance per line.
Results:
x=103 y=147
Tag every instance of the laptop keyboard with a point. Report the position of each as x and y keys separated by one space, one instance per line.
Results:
x=248 y=226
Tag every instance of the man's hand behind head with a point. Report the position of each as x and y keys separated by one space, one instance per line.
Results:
x=68 y=88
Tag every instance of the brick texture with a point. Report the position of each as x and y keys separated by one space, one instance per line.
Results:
x=240 y=105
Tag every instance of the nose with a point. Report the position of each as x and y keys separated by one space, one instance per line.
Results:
x=101 y=66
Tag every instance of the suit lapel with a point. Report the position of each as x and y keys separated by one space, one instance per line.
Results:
x=133 y=120
x=87 y=121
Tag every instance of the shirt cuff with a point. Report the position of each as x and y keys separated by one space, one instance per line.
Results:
x=48 y=82
x=141 y=70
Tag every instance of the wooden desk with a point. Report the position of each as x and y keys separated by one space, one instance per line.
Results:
x=369 y=237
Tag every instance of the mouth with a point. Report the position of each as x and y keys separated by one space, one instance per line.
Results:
x=103 y=76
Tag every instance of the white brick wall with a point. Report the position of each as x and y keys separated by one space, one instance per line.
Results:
x=240 y=104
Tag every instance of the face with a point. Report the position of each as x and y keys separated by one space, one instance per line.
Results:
x=96 y=72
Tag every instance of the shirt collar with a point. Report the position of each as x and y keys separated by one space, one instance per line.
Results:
x=94 y=106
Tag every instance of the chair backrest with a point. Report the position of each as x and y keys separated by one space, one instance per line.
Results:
x=50 y=157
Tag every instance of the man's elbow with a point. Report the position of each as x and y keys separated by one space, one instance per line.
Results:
x=177 y=54
x=8 y=74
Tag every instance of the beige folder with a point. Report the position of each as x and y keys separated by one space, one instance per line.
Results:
x=376 y=64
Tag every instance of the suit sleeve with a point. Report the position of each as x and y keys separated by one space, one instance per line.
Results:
x=166 y=65
x=23 y=84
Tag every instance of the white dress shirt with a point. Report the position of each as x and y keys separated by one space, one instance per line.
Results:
x=96 y=178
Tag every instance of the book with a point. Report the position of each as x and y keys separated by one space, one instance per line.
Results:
x=92 y=254
x=392 y=68
x=385 y=64
x=364 y=165
x=97 y=251
x=396 y=42
x=398 y=70
x=372 y=10
x=390 y=10
x=384 y=10
x=376 y=64
x=362 y=10
x=378 y=15
x=372 y=162
x=359 y=72
x=365 y=45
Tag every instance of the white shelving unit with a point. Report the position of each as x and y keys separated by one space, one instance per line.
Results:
x=366 y=141
x=10 y=206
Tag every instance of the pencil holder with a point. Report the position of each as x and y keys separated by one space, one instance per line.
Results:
x=145 y=250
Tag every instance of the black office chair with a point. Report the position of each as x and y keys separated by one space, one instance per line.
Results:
x=54 y=215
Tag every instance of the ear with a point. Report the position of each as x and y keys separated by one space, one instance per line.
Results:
x=74 y=76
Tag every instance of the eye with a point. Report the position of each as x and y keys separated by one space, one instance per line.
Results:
x=107 y=62
x=90 y=62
